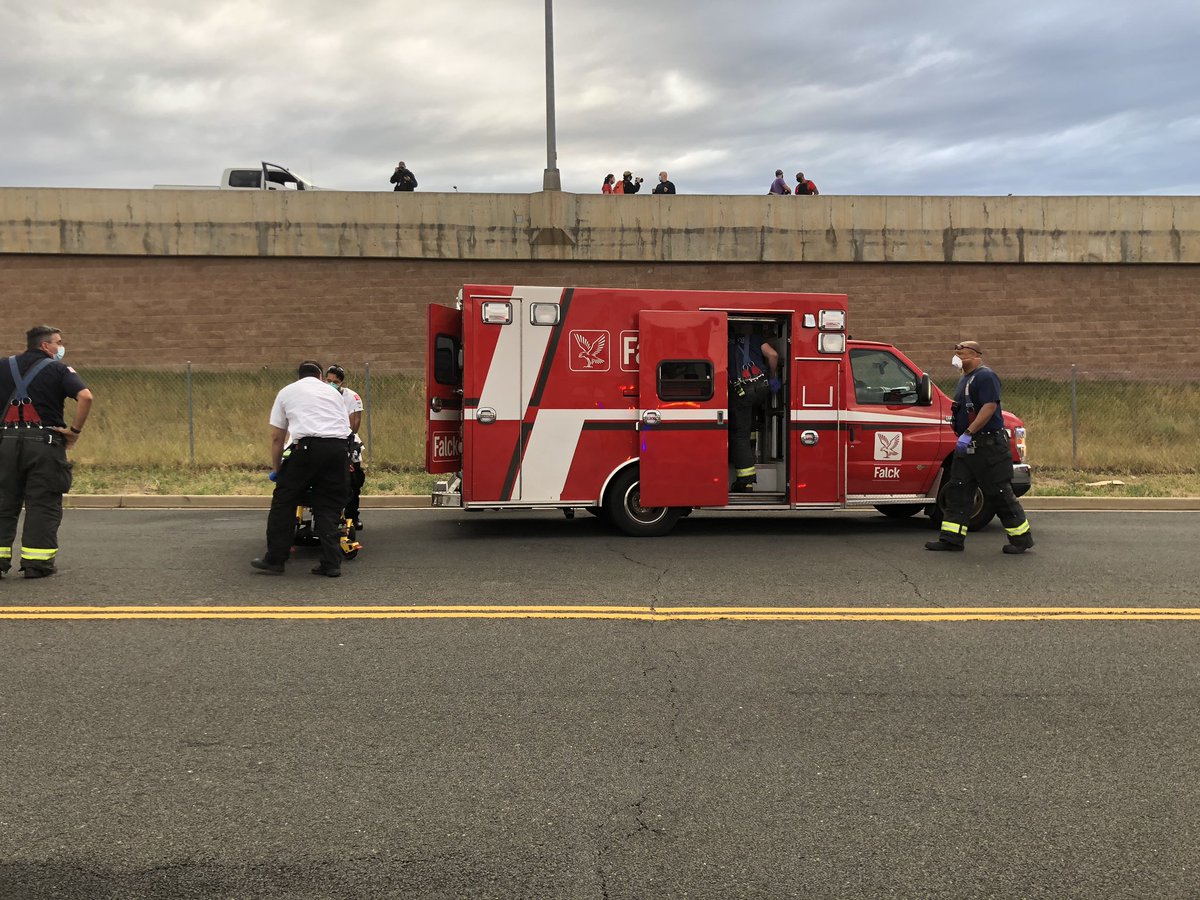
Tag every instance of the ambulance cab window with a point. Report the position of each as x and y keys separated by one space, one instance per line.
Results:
x=685 y=379
x=880 y=377
x=447 y=368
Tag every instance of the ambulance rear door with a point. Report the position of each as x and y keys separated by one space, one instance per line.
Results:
x=683 y=420
x=443 y=390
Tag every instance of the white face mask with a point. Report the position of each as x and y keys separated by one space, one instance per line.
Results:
x=955 y=361
x=62 y=351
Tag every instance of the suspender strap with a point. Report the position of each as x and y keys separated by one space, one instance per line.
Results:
x=21 y=390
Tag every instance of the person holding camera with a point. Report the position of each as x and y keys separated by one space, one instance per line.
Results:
x=403 y=179
x=629 y=184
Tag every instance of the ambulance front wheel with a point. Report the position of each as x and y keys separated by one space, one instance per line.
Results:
x=624 y=508
x=981 y=513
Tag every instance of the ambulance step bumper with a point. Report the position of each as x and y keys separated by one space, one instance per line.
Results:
x=447 y=493
x=758 y=498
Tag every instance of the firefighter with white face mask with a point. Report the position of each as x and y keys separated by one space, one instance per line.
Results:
x=34 y=440
x=982 y=457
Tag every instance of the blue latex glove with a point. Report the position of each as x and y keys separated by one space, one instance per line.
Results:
x=961 y=445
x=775 y=384
x=271 y=476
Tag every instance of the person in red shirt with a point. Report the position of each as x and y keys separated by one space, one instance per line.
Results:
x=607 y=187
x=804 y=186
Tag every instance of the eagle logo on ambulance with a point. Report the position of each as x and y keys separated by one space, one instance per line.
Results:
x=889 y=445
x=590 y=353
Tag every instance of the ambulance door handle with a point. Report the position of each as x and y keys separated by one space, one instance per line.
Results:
x=485 y=416
x=809 y=438
x=720 y=417
x=650 y=417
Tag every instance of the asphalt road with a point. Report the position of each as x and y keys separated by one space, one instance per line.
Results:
x=519 y=757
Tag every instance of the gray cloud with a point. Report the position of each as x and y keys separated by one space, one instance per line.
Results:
x=864 y=96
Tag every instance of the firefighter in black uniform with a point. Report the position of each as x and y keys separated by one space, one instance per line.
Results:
x=34 y=440
x=982 y=457
x=753 y=367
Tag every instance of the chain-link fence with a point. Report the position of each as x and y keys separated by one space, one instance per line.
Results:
x=1088 y=420
x=186 y=417
x=1076 y=418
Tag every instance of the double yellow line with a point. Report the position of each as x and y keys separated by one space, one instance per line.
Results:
x=636 y=613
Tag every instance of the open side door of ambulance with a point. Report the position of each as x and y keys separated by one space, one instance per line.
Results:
x=683 y=421
x=443 y=390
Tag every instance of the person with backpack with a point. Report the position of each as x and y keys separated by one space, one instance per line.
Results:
x=804 y=186
x=34 y=440
x=753 y=377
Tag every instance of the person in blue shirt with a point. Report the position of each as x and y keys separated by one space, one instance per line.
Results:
x=982 y=457
x=753 y=368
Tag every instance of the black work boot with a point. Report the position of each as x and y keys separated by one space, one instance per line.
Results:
x=743 y=484
x=942 y=545
x=262 y=565
x=1019 y=544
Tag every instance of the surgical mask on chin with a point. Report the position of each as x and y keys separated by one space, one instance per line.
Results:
x=62 y=351
x=956 y=361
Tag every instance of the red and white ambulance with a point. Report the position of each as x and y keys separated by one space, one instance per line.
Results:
x=616 y=401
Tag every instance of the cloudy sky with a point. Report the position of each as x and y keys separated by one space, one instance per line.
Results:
x=866 y=96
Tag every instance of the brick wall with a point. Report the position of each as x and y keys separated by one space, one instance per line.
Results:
x=230 y=313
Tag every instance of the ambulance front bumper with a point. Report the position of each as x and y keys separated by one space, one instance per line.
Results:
x=447 y=493
x=1022 y=479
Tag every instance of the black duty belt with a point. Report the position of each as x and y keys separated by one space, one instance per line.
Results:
x=40 y=435
x=331 y=440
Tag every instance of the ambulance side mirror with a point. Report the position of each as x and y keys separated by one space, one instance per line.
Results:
x=925 y=391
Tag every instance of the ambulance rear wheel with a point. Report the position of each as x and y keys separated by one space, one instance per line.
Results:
x=623 y=505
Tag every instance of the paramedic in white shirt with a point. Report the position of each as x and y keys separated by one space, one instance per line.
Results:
x=315 y=415
x=336 y=376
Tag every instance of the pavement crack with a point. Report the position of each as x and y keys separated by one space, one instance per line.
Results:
x=916 y=589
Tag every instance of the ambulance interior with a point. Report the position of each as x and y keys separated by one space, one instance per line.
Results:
x=769 y=432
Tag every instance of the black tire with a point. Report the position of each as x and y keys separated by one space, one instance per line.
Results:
x=623 y=508
x=900 y=510
x=982 y=511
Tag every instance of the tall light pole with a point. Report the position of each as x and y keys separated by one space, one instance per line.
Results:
x=550 y=178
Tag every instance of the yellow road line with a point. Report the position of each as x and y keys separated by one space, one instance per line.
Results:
x=636 y=613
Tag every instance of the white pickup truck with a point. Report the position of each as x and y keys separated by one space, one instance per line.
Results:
x=265 y=177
